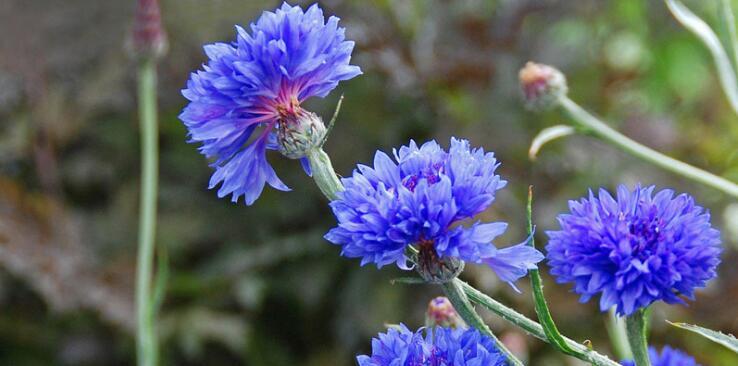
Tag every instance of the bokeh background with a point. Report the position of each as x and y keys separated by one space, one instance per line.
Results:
x=258 y=285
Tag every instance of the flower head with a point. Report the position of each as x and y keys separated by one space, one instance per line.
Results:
x=255 y=85
x=439 y=346
x=419 y=199
x=634 y=249
x=668 y=357
x=542 y=85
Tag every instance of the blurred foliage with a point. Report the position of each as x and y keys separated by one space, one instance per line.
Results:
x=258 y=285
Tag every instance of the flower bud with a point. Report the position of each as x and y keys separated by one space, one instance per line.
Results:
x=148 y=39
x=442 y=314
x=299 y=132
x=434 y=269
x=542 y=85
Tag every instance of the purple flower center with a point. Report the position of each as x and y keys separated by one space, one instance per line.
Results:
x=645 y=236
x=432 y=175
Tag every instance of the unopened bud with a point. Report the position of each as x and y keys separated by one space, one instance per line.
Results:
x=148 y=39
x=543 y=86
x=442 y=314
x=299 y=133
x=435 y=269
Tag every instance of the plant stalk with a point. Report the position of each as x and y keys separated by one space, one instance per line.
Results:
x=636 y=326
x=583 y=352
x=598 y=128
x=146 y=346
x=466 y=310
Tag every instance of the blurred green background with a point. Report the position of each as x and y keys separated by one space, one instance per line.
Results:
x=258 y=285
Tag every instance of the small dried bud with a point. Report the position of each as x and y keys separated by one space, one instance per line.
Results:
x=299 y=132
x=542 y=85
x=441 y=313
x=434 y=269
x=148 y=38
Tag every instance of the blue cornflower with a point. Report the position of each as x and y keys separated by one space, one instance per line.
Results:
x=421 y=200
x=634 y=249
x=258 y=82
x=438 y=347
x=668 y=357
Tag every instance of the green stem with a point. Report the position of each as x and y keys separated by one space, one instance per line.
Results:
x=465 y=309
x=544 y=314
x=618 y=336
x=323 y=174
x=146 y=346
x=598 y=128
x=583 y=352
x=637 y=328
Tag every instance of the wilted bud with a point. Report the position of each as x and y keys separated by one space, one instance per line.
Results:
x=542 y=85
x=299 y=132
x=441 y=313
x=434 y=269
x=148 y=38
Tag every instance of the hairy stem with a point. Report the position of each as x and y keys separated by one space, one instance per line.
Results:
x=323 y=174
x=466 y=310
x=583 y=352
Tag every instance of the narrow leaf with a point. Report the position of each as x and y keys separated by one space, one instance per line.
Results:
x=703 y=31
x=547 y=135
x=544 y=314
x=727 y=340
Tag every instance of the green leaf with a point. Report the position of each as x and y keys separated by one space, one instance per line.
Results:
x=699 y=28
x=727 y=340
x=547 y=135
x=544 y=314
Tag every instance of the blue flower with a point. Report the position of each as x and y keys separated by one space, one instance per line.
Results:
x=439 y=346
x=634 y=249
x=668 y=357
x=251 y=85
x=421 y=199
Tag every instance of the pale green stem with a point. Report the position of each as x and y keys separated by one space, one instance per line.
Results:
x=598 y=128
x=637 y=328
x=466 y=310
x=146 y=340
x=583 y=352
x=323 y=174
x=618 y=336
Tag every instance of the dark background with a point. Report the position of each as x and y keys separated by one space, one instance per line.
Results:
x=258 y=285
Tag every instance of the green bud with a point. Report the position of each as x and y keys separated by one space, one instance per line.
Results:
x=299 y=133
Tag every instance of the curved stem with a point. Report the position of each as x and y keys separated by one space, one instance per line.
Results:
x=466 y=310
x=583 y=352
x=598 y=128
x=146 y=345
x=637 y=328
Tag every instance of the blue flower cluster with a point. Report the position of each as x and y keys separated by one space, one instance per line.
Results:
x=438 y=347
x=419 y=199
x=256 y=82
x=668 y=357
x=635 y=248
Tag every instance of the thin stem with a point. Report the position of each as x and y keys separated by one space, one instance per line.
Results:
x=637 y=328
x=466 y=310
x=583 y=352
x=146 y=345
x=598 y=128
